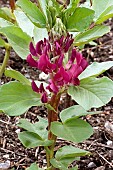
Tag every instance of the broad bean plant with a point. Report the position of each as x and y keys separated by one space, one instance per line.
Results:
x=48 y=35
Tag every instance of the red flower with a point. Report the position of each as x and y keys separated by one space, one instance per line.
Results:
x=45 y=65
x=49 y=59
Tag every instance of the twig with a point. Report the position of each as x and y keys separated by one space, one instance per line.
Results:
x=98 y=144
x=6 y=150
x=105 y=160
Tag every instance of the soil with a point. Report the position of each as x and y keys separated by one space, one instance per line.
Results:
x=100 y=144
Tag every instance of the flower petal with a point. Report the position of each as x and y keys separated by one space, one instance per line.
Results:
x=34 y=87
x=84 y=63
x=31 y=61
x=42 y=90
x=44 y=98
x=39 y=46
x=32 y=49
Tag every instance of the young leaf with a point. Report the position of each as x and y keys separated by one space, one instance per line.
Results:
x=18 y=40
x=43 y=5
x=100 y=7
x=17 y=98
x=38 y=127
x=92 y=34
x=17 y=76
x=33 y=12
x=73 y=3
x=2 y=42
x=59 y=164
x=5 y=23
x=3 y=14
x=62 y=163
x=71 y=8
x=70 y=151
x=80 y=19
x=33 y=166
x=96 y=69
x=74 y=112
x=75 y=130
x=32 y=140
x=108 y=13
x=98 y=92
x=24 y=22
x=39 y=34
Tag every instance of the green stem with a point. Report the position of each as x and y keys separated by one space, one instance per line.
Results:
x=5 y=61
x=47 y=156
x=52 y=116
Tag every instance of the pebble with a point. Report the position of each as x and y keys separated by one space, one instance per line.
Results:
x=109 y=143
x=6 y=156
x=5 y=165
x=91 y=165
x=100 y=168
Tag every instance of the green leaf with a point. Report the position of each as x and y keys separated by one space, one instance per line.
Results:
x=39 y=34
x=75 y=130
x=96 y=69
x=33 y=12
x=18 y=40
x=70 y=151
x=17 y=76
x=5 y=23
x=80 y=19
x=59 y=164
x=92 y=34
x=31 y=140
x=73 y=3
x=17 y=98
x=108 y=13
x=74 y=112
x=33 y=166
x=2 y=42
x=38 y=127
x=24 y=22
x=100 y=7
x=3 y=14
x=71 y=8
x=8 y=14
x=92 y=92
x=43 y=5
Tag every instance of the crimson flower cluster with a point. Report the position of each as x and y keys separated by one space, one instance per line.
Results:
x=50 y=59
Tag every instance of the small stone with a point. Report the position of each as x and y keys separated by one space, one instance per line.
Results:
x=91 y=165
x=100 y=168
x=6 y=156
x=5 y=165
x=109 y=143
x=44 y=161
x=17 y=131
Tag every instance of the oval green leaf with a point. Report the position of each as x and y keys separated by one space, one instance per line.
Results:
x=80 y=19
x=17 y=98
x=92 y=92
x=18 y=39
x=33 y=12
x=74 y=112
x=92 y=34
x=17 y=76
x=95 y=69
x=32 y=140
x=75 y=130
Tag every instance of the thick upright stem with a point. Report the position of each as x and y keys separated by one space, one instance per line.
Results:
x=5 y=61
x=52 y=116
x=12 y=5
